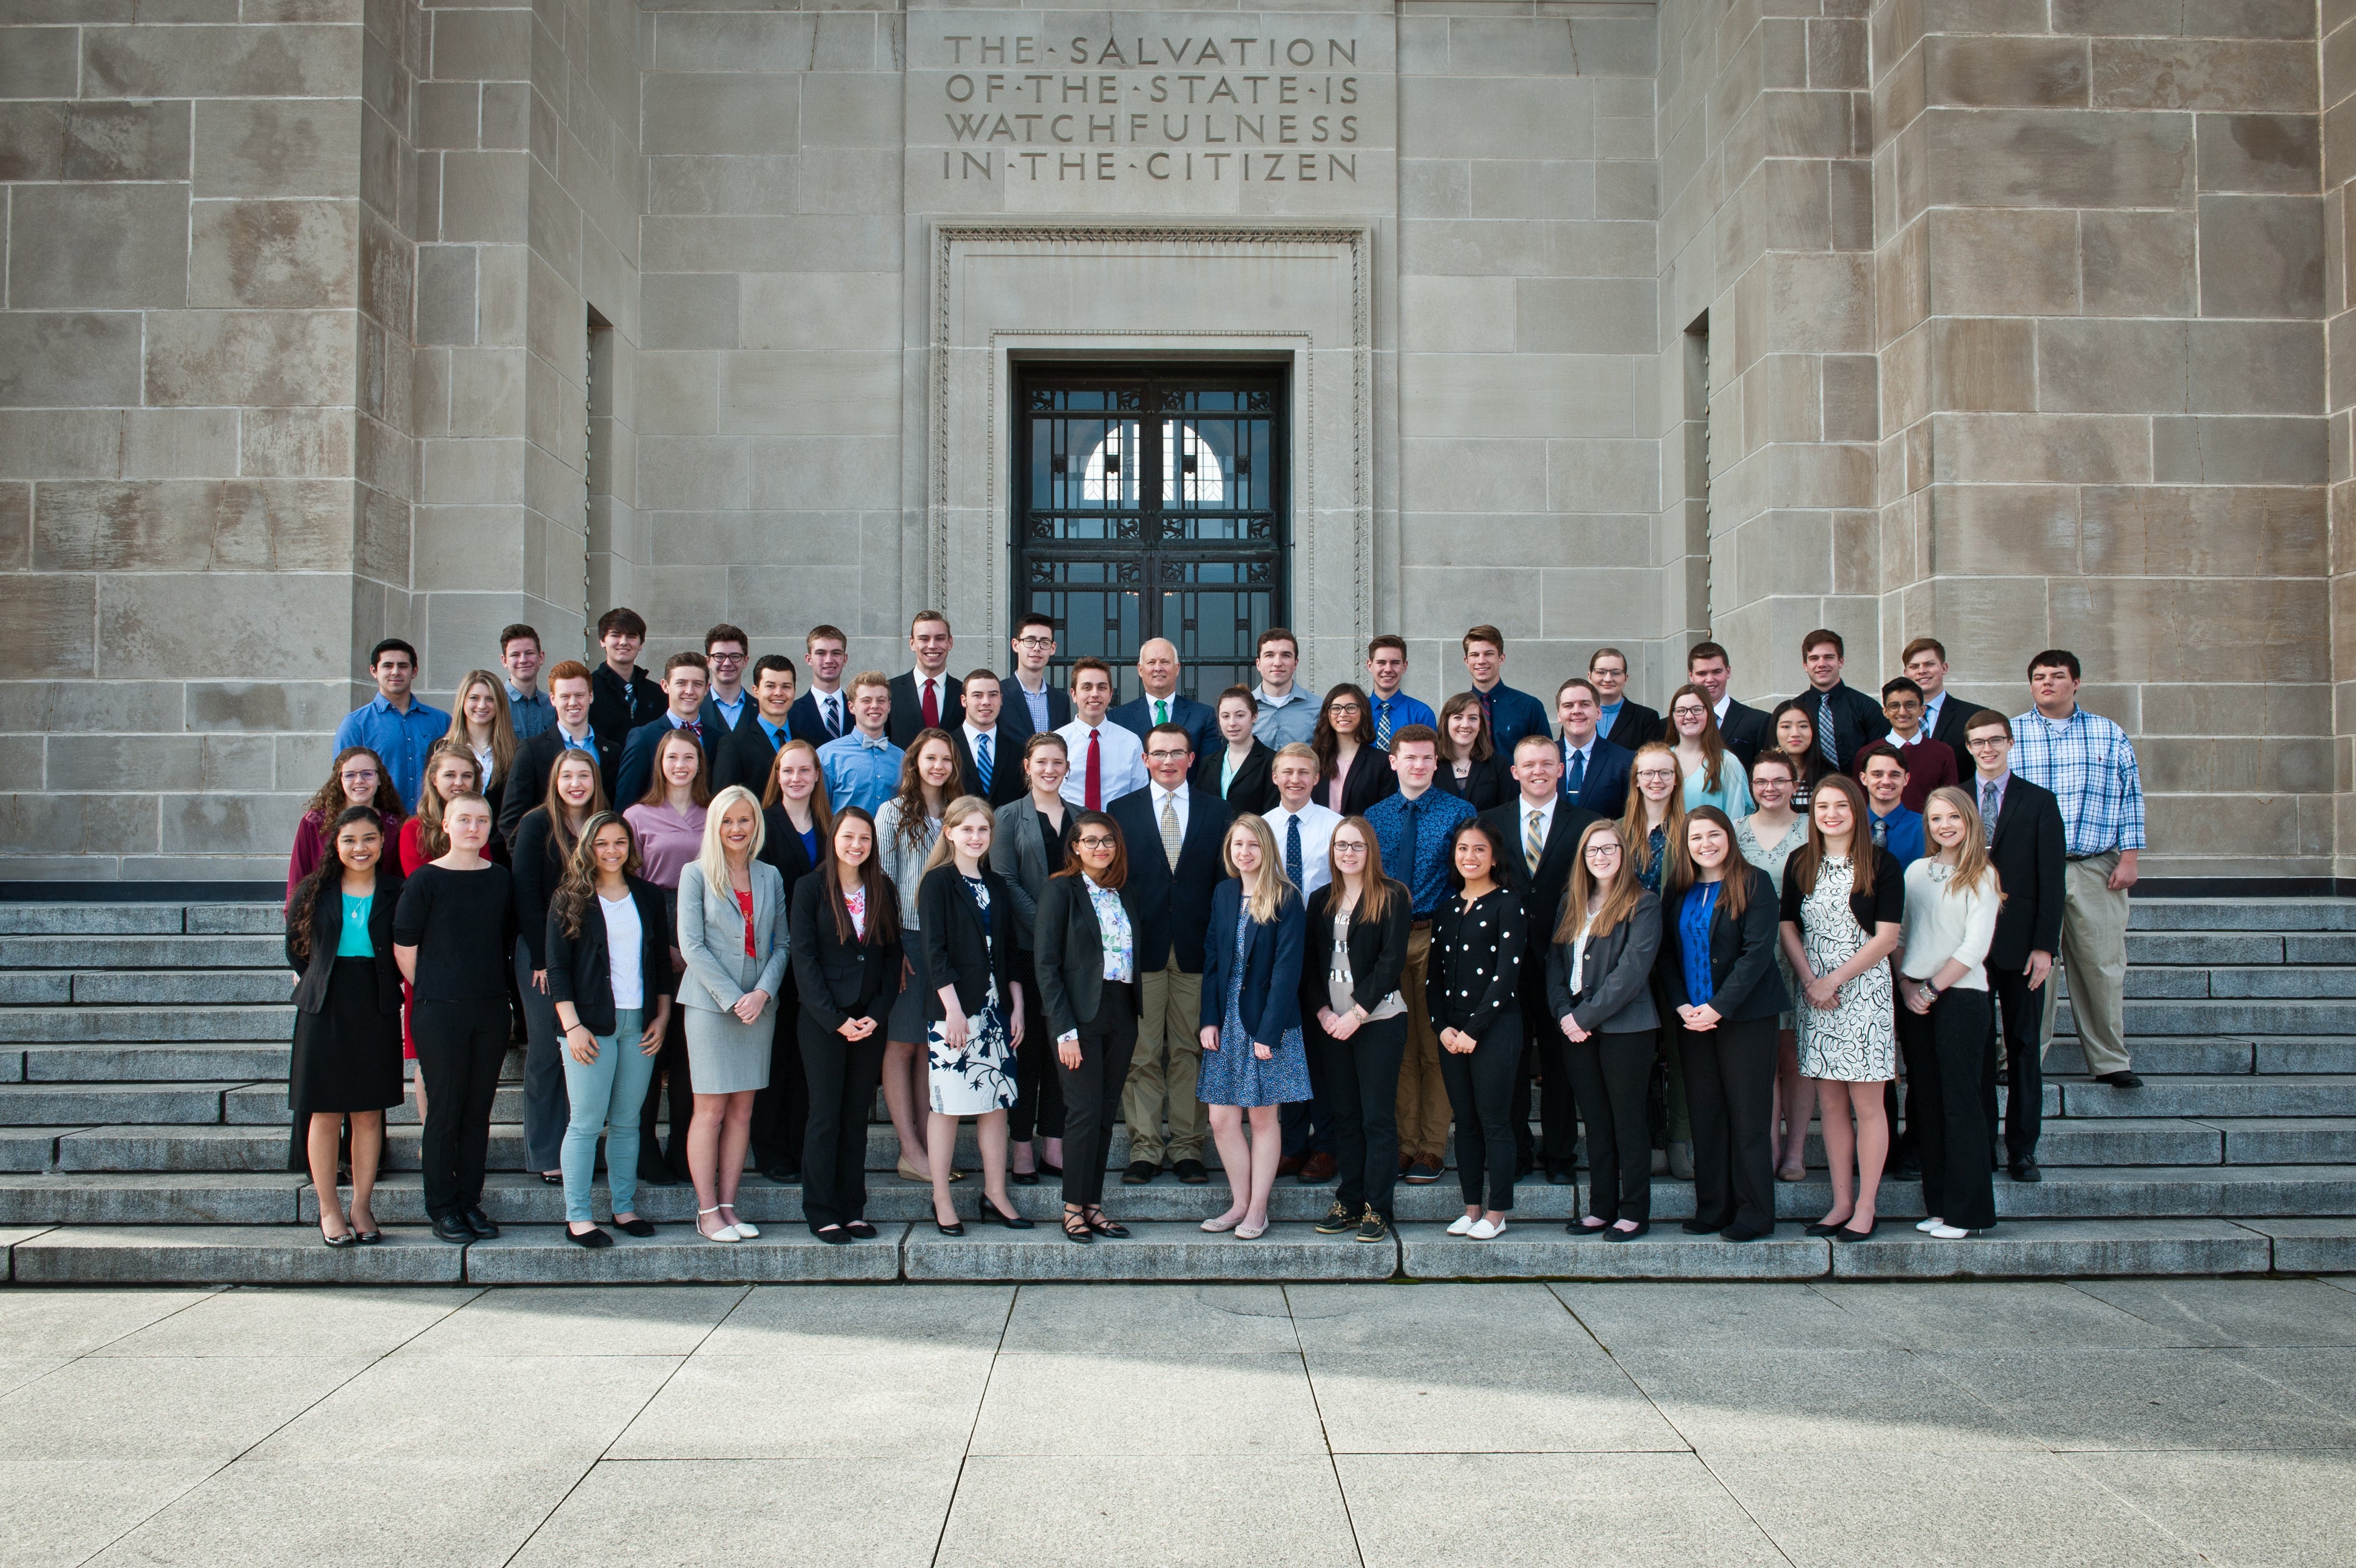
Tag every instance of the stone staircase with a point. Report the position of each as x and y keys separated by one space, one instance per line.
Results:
x=144 y=1136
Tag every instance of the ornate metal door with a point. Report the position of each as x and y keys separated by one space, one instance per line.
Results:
x=1150 y=501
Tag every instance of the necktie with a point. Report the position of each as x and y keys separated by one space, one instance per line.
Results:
x=1093 y=796
x=1292 y=852
x=981 y=763
x=834 y=717
x=1534 y=842
x=694 y=728
x=1170 y=835
x=1162 y=710
x=1383 y=722
x=1880 y=833
x=932 y=706
x=1989 y=801
x=1576 y=780
x=1825 y=730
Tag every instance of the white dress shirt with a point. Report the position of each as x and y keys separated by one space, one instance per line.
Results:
x=1317 y=825
x=1176 y=800
x=1122 y=757
x=1522 y=810
x=997 y=752
x=1718 y=710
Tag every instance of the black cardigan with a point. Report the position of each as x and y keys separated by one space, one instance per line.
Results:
x=838 y=980
x=1370 y=780
x=1067 y=946
x=1886 y=902
x=327 y=929
x=1476 y=961
x=1378 y=950
x=1490 y=784
x=950 y=925
x=1741 y=958
x=537 y=868
x=580 y=972
x=1252 y=791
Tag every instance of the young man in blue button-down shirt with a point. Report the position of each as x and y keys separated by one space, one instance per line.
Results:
x=863 y=767
x=395 y=725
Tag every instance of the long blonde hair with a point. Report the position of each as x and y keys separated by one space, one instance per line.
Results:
x=1375 y=896
x=955 y=811
x=713 y=858
x=1972 y=866
x=1618 y=905
x=503 y=735
x=1635 y=835
x=1268 y=887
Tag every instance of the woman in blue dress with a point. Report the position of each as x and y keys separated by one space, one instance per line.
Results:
x=1253 y=1056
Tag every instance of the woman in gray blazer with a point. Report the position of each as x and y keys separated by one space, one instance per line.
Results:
x=1032 y=843
x=1599 y=977
x=732 y=934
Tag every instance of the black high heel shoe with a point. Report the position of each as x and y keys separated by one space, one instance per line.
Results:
x=955 y=1229
x=1011 y=1222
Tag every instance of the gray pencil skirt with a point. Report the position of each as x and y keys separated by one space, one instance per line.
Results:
x=724 y=1054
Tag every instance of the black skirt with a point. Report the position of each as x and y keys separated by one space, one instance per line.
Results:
x=347 y=1054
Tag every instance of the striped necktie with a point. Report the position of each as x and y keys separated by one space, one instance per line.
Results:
x=1383 y=722
x=1534 y=840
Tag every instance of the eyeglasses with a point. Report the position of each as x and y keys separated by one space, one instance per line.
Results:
x=1098 y=842
x=1602 y=850
x=358 y=775
x=1035 y=642
x=1987 y=742
x=1167 y=755
x=727 y=659
x=1656 y=774
x=1343 y=708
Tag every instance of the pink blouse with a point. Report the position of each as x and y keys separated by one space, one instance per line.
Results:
x=667 y=840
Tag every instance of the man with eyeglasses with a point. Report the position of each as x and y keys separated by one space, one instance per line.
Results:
x=1030 y=702
x=2021 y=822
x=727 y=704
x=1162 y=702
x=1540 y=830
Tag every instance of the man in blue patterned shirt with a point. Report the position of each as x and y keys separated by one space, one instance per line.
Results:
x=2090 y=766
x=1412 y=830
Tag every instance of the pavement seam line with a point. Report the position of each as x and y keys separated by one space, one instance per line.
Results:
x=957 y=1483
x=1333 y=1463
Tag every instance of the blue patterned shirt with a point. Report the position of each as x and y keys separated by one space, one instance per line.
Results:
x=1692 y=939
x=2090 y=765
x=860 y=771
x=1413 y=837
x=1112 y=925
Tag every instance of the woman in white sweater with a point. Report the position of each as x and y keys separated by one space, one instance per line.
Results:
x=1951 y=906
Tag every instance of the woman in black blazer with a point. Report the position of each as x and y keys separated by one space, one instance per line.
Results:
x=1599 y=980
x=347 y=1056
x=1084 y=946
x=1352 y=772
x=1474 y=992
x=1240 y=771
x=1717 y=970
x=973 y=1008
x=1487 y=779
x=1357 y=1022
x=606 y=910
x=796 y=817
x=844 y=939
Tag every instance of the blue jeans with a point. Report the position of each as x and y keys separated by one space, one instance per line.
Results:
x=606 y=1094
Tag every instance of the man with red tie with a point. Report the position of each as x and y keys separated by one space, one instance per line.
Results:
x=927 y=697
x=1108 y=761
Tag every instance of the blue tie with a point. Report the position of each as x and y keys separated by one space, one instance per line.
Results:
x=1292 y=850
x=1577 y=777
x=981 y=763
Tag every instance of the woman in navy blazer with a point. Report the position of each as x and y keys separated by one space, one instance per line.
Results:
x=1717 y=970
x=1254 y=1057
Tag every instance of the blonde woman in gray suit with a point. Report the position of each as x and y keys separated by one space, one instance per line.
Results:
x=731 y=934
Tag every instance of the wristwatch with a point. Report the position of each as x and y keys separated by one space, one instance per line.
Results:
x=1931 y=991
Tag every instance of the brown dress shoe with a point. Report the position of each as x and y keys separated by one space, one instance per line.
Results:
x=1320 y=1167
x=1289 y=1165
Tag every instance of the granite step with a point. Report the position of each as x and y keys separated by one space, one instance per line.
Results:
x=27 y=1149
x=57 y=1026
x=2154 y=947
x=93 y=919
x=2163 y=1056
x=2275 y=1094
x=2283 y=1140
x=190 y=988
x=2297 y=914
x=246 y=1199
x=241 y=1059
x=2211 y=1018
x=38 y=1104
x=143 y=952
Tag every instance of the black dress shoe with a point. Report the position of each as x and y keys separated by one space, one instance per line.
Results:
x=1846 y=1234
x=452 y=1228
x=1558 y=1175
x=1738 y=1233
x=1139 y=1172
x=634 y=1226
x=2026 y=1170
x=1700 y=1227
x=592 y=1238
x=1613 y=1233
x=1047 y=1170
x=860 y=1230
x=955 y=1229
x=782 y=1174
x=1194 y=1173
x=348 y=1239
x=1011 y=1222
x=369 y=1238
x=480 y=1223
x=1906 y=1171
x=1023 y=1179
x=2121 y=1079
x=832 y=1235
x=1822 y=1230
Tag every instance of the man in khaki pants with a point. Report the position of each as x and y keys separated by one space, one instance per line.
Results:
x=1413 y=829
x=2090 y=766
x=1174 y=833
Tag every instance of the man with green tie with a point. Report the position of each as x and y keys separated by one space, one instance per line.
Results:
x=1164 y=702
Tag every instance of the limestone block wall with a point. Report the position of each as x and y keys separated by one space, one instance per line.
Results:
x=2101 y=279
x=2336 y=24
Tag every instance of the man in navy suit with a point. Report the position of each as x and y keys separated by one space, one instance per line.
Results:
x=991 y=759
x=686 y=678
x=746 y=754
x=727 y=704
x=1174 y=897
x=1746 y=730
x=1594 y=771
x=1031 y=702
x=927 y=697
x=1164 y=704
x=824 y=712
x=1944 y=714
x=2026 y=846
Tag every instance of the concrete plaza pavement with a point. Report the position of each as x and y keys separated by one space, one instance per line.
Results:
x=2122 y=1421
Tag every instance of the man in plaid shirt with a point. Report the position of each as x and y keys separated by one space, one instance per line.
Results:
x=2090 y=766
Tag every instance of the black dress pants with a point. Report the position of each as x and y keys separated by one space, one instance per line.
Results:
x=781 y=1112
x=1090 y=1093
x=842 y=1075
x=2017 y=1022
x=460 y=1048
x=1038 y=1081
x=1613 y=1075
x=670 y=1066
x=1556 y=1140
x=1361 y=1096
x=1949 y=1048
x=1731 y=1091
x=1480 y=1084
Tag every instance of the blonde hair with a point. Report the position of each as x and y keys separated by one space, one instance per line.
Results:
x=1266 y=895
x=713 y=858
x=503 y=735
x=431 y=838
x=1972 y=867
x=1619 y=904
x=955 y=811
x=1635 y=834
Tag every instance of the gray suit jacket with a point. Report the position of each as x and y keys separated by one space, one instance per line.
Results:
x=1018 y=853
x=711 y=940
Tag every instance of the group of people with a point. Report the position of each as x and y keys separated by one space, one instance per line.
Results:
x=1319 y=933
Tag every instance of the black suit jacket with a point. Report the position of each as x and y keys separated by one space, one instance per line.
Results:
x=744 y=756
x=1177 y=904
x=1856 y=721
x=838 y=980
x=614 y=710
x=804 y=722
x=1489 y=784
x=1955 y=712
x=1747 y=731
x=1202 y=722
x=327 y=929
x=581 y=971
x=1067 y=943
x=535 y=759
x=782 y=847
x=1253 y=790
x=2027 y=855
x=1741 y=957
x=1541 y=894
x=1370 y=780
x=1014 y=715
x=1604 y=787
x=1377 y=950
x=1635 y=725
x=908 y=708
x=965 y=945
x=1006 y=780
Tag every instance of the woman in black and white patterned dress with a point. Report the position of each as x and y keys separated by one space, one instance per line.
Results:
x=973 y=1008
x=1842 y=916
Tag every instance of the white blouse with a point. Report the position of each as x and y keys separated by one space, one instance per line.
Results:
x=1942 y=923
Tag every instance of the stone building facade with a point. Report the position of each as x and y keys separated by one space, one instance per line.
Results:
x=2014 y=322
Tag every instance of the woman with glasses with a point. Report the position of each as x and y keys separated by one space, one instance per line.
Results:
x=1084 y=956
x=1352 y=774
x=1599 y=990
x=1357 y=927
x=356 y=779
x=1713 y=774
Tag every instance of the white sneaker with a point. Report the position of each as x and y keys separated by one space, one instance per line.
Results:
x=1482 y=1230
x=1462 y=1226
x=1931 y=1224
x=1944 y=1231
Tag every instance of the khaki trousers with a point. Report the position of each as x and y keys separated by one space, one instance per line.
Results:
x=1424 y=1115
x=2095 y=951
x=1162 y=1075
